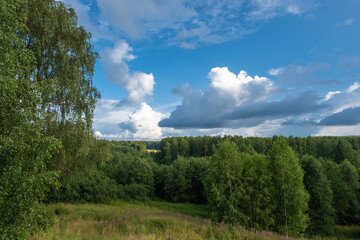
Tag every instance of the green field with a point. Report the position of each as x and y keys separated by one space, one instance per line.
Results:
x=151 y=220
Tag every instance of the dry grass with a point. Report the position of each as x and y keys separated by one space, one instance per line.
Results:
x=152 y=150
x=138 y=221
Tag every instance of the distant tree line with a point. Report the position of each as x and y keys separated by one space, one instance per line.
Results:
x=334 y=148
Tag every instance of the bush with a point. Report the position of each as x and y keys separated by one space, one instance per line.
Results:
x=137 y=192
x=96 y=188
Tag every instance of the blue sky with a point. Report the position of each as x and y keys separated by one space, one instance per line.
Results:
x=244 y=67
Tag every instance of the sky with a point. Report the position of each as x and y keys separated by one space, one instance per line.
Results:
x=231 y=67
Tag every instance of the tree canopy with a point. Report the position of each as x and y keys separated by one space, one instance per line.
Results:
x=46 y=67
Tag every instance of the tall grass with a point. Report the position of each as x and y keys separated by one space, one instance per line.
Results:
x=153 y=220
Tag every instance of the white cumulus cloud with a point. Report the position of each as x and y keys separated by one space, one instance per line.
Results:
x=143 y=123
x=225 y=92
x=115 y=60
x=113 y=122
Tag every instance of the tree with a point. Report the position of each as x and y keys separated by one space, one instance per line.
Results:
x=24 y=150
x=63 y=70
x=131 y=168
x=165 y=148
x=177 y=184
x=196 y=174
x=64 y=63
x=256 y=198
x=339 y=188
x=46 y=67
x=321 y=210
x=184 y=147
x=342 y=151
x=289 y=194
x=184 y=180
x=223 y=184
x=350 y=176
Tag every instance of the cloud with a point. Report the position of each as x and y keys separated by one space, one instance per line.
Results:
x=266 y=9
x=353 y=87
x=347 y=63
x=186 y=45
x=339 y=131
x=139 y=17
x=143 y=123
x=259 y=112
x=347 y=117
x=331 y=94
x=303 y=75
x=276 y=72
x=343 y=109
x=98 y=30
x=349 y=21
x=348 y=98
x=190 y=24
x=239 y=101
x=139 y=123
x=115 y=60
x=236 y=101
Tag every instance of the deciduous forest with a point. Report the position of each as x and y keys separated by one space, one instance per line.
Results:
x=297 y=187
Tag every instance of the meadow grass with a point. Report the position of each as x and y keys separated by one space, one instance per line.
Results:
x=150 y=220
x=343 y=233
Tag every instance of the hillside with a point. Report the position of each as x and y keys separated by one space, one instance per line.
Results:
x=151 y=220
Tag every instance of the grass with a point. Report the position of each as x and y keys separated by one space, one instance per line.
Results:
x=151 y=220
x=343 y=233
x=152 y=150
x=183 y=208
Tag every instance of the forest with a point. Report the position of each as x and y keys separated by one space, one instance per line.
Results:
x=48 y=152
x=288 y=185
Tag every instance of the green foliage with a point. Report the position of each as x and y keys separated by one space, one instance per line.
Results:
x=24 y=180
x=350 y=176
x=290 y=197
x=64 y=64
x=46 y=66
x=321 y=210
x=95 y=188
x=24 y=150
x=344 y=151
x=238 y=187
x=343 y=184
x=184 y=180
x=223 y=184
x=256 y=199
x=82 y=153
x=265 y=187
x=129 y=166
x=137 y=192
x=334 y=148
